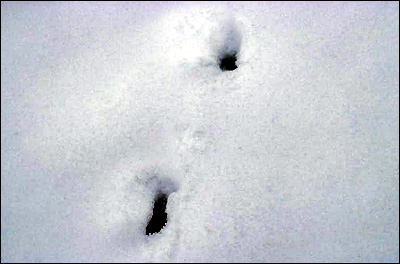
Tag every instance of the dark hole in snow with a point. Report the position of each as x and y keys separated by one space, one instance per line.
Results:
x=227 y=62
x=159 y=216
x=161 y=188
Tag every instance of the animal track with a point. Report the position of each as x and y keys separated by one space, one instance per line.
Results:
x=230 y=46
x=227 y=62
x=161 y=187
x=159 y=215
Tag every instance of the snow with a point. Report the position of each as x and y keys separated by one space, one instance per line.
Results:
x=292 y=157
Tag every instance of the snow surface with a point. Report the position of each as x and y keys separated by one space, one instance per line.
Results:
x=294 y=156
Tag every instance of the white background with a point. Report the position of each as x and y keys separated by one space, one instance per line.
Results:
x=294 y=156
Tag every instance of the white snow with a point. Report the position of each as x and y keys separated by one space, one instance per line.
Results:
x=292 y=157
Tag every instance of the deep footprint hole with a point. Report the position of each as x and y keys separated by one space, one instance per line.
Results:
x=227 y=62
x=159 y=216
x=162 y=188
x=229 y=40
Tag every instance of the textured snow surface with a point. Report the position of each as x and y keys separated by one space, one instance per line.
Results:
x=293 y=156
